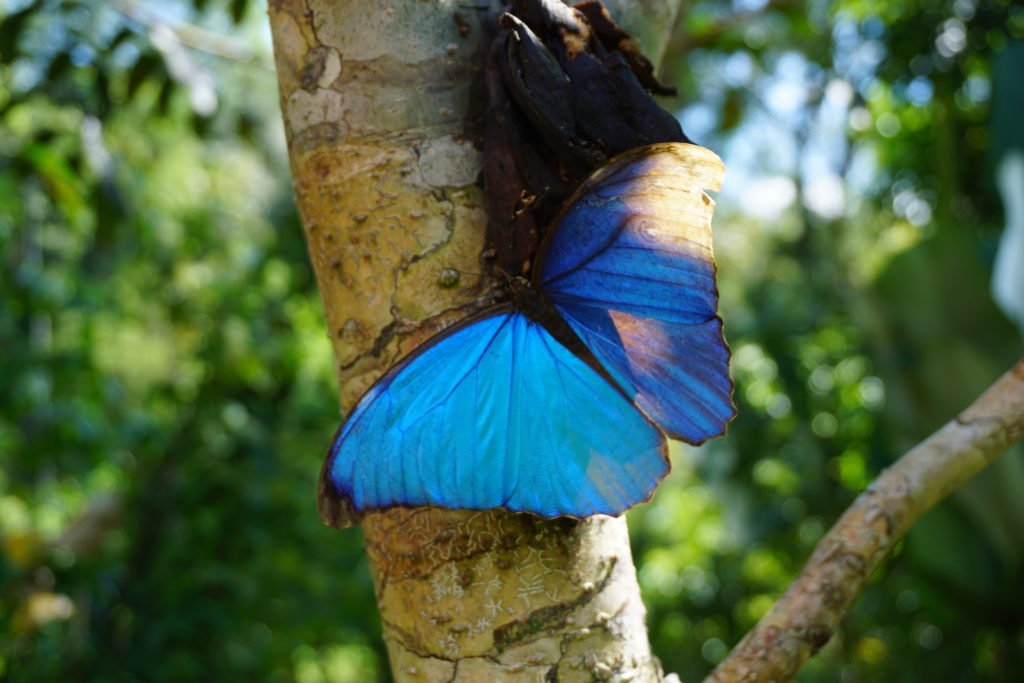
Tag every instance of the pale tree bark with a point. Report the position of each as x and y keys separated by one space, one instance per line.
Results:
x=380 y=102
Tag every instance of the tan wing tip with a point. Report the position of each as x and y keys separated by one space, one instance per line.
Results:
x=706 y=166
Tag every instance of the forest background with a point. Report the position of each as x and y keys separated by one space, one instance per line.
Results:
x=168 y=389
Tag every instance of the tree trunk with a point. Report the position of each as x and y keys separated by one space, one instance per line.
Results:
x=382 y=109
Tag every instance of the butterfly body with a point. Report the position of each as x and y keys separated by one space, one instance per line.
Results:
x=558 y=401
x=526 y=298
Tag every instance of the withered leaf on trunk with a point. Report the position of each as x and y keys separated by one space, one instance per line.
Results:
x=567 y=90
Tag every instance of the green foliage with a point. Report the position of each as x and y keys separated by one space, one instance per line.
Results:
x=165 y=358
x=855 y=333
x=168 y=383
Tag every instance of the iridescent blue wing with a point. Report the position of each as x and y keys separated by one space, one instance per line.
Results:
x=494 y=414
x=629 y=265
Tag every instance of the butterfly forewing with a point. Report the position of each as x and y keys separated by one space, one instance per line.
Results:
x=629 y=265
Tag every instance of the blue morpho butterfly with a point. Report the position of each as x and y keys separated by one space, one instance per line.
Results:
x=558 y=402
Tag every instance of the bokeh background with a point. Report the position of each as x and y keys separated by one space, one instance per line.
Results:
x=166 y=387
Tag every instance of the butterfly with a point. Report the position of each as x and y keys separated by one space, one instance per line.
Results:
x=558 y=402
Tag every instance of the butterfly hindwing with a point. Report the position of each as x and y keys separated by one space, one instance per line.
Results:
x=495 y=414
x=629 y=265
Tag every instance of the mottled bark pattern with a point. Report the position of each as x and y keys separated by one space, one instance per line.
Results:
x=380 y=100
x=375 y=98
x=511 y=595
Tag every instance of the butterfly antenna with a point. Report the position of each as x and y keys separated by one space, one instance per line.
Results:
x=460 y=271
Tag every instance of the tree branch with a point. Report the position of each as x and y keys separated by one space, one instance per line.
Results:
x=196 y=37
x=807 y=614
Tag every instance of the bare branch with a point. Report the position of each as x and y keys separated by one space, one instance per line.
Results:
x=195 y=37
x=86 y=534
x=807 y=614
